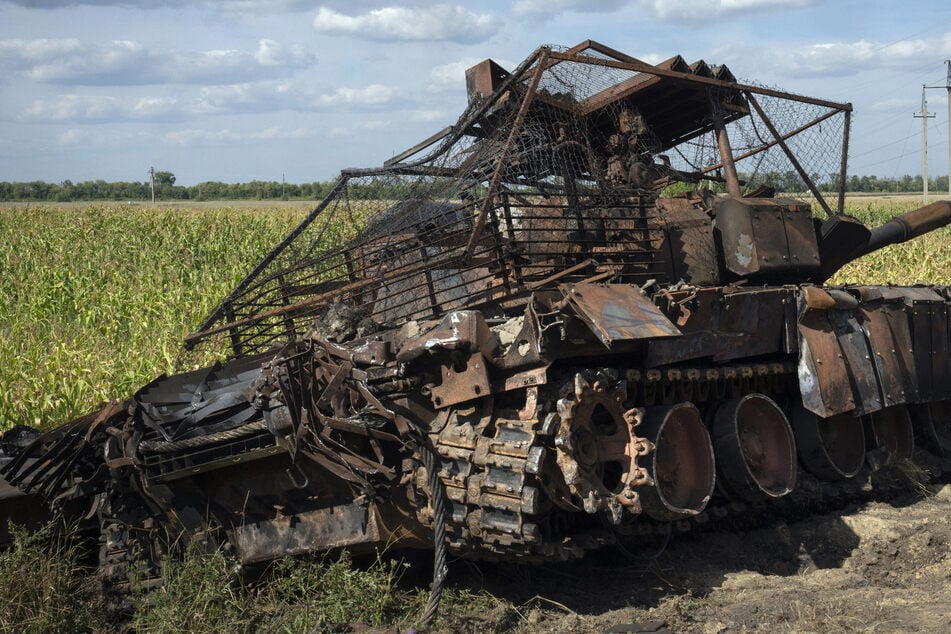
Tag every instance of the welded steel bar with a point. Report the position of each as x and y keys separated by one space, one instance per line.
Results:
x=775 y=142
x=218 y=312
x=789 y=154
x=506 y=150
x=641 y=67
x=723 y=144
x=194 y=338
x=462 y=128
x=845 y=161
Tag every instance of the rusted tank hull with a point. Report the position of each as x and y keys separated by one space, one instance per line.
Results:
x=546 y=427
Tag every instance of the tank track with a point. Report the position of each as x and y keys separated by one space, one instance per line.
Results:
x=493 y=468
x=489 y=470
x=130 y=557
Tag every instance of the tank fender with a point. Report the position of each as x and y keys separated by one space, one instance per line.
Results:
x=865 y=348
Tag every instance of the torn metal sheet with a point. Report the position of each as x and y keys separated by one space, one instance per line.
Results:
x=824 y=376
x=616 y=312
x=323 y=529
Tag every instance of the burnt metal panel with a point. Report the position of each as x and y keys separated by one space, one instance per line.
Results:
x=921 y=330
x=463 y=385
x=688 y=242
x=20 y=509
x=920 y=305
x=858 y=357
x=892 y=348
x=692 y=345
x=483 y=79
x=764 y=236
x=618 y=312
x=892 y=374
x=751 y=323
x=946 y=370
x=900 y=327
x=801 y=239
x=323 y=529
x=823 y=373
x=939 y=351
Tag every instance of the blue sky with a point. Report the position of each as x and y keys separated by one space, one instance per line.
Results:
x=236 y=90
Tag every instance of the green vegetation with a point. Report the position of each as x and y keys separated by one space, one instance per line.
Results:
x=382 y=187
x=43 y=587
x=926 y=259
x=95 y=301
x=201 y=593
x=48 y=585
x=166 y=189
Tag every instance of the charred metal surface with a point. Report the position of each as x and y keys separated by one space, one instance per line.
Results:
x=517 y=347
x=867 y=348
x=618 y=313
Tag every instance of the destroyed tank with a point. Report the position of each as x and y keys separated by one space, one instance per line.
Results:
x=580 y=316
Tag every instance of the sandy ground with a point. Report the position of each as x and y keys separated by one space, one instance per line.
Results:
x=879 y=567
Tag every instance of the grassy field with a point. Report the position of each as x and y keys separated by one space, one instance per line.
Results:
x=95 y=301
x=925 y=260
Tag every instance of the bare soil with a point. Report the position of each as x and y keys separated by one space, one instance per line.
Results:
x=879 y=567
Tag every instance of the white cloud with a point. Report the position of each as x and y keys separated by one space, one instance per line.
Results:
x=123 y=62
x=551 y=8
x=838 y=59
x=302 y=133
x=236 y=6
x=194 y=136
x=71 y=136
x=439 y=22
x=271 y=7
x=652 y=58
x=453 y=74
x=94 y=108
x=696 y=10
x=257 y=97
x=430 y=115
x=372 y=95
x=665 y=10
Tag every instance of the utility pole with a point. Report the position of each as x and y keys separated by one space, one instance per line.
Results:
x=924 y=116
x=282 y=173
x=152 y=182
x=948 y=86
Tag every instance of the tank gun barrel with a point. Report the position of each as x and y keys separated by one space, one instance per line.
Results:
x=844 y=239
x=910 y=225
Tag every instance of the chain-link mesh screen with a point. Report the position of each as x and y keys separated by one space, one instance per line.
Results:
x=530 y=188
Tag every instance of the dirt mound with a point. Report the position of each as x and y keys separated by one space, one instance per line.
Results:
x=878 y=567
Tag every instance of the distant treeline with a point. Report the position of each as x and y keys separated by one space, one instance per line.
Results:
x=102 y=190
x=166 y=189
x=790 y=181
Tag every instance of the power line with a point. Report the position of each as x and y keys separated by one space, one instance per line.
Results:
x=882 y=147
x=891 y=158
